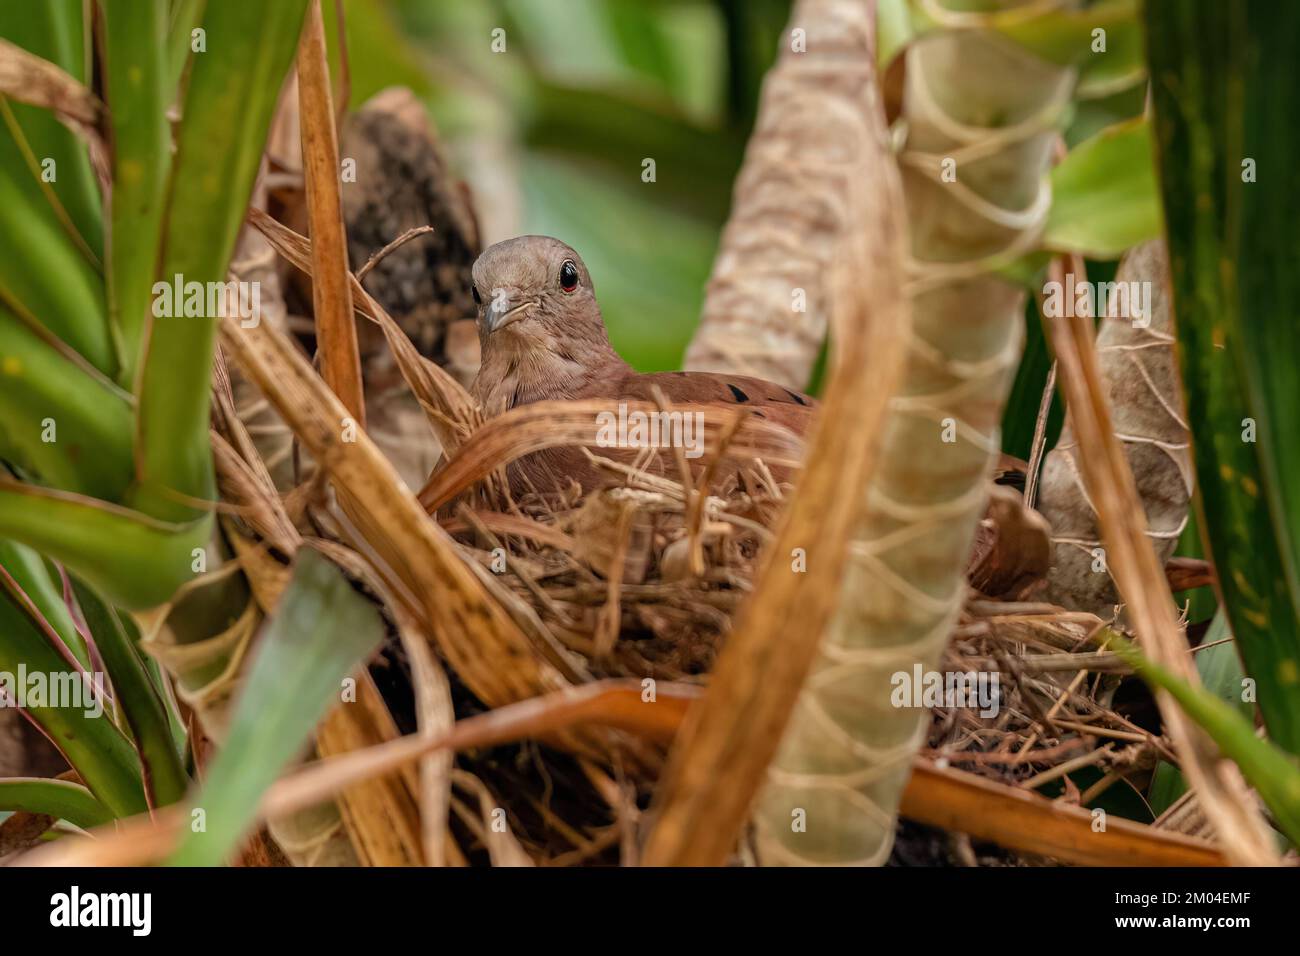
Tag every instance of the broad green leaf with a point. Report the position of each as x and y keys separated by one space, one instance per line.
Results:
x=320 y=631
x=136 y=90
x=232 y=92
x=1226 y=90
x=583 y=47
x=56 y=798
x=50 y=250
x=1122 y=66
x=44 y=276
x=185 y=16
x=53 y=30
x=1268 y=768
x=68 y=427
x=1063 y=33
x=1104 y=197
x=138 y=700
x=1090 y=117
x=131 y=559
x=84 y=733
x=30 y=573
x=893 y=30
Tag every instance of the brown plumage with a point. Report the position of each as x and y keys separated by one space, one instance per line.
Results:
x=542 y=337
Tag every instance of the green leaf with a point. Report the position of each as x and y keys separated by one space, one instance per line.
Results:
x=893 y=30
x=30 y=573
x=1268 y=768
x=1104 y=197
x=62 y=799
x=232 y=93
x=185 y=16
x=1062 y=33
x=137 y=699
x=1226 y=90
x=136 y=89
x=53 y=30
x=1091 y=117
x=133 y=560
x=1121 y=67
x=44 y=277
x=321 y=630
x=42 y=387
x=85 y=734
x=50 y=250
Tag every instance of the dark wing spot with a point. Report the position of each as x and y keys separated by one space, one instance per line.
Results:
x=740 y=396
x=796 y=397
x=1011 y=478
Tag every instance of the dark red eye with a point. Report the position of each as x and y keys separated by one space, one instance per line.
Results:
x=568 y=276
x=474 y=291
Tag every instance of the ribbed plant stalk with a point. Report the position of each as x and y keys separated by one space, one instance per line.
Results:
x=767 y=305
x=981 y=116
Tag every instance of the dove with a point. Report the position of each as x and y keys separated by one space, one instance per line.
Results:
x=542 y=337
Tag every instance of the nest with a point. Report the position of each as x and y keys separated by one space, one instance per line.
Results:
x=610 y=578
x=610 y=575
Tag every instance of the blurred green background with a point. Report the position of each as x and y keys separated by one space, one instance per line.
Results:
x=551 y=134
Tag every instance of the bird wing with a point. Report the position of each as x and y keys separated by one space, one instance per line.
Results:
x=781 y=405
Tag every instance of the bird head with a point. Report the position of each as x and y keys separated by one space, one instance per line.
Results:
x=534 y=293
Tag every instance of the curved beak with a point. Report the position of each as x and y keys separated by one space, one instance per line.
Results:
x=496 y=321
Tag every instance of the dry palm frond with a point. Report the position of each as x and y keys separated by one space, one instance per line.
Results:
x=331 y=292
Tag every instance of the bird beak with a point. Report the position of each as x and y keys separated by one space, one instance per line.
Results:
x=499 y=320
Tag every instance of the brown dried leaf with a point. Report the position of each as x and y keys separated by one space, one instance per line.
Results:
x=1015 y=818
x=38 y=82
x=336 y=331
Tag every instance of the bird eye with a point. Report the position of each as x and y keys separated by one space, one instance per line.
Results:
x=474 y=292
x=568 y=276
